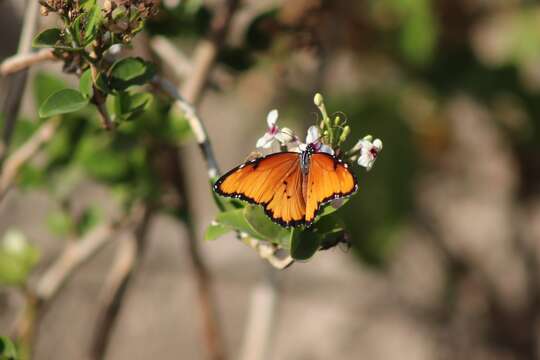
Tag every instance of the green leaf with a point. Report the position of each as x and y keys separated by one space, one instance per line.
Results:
x=96 y=158
x=47 y=38
x=329 y=209
x=419 y=33
x=75 y=29
x=129 y=72
x=236 y=220
x=86 y=85
x=329 y=224
x=216 y=230
x=30 y=177
x=17 y=258
x=7 y=349
x=87 y=5
x=128 y=105
x=304 y=244
x=102 y=83
x=90 y=217
x=46 y=84
x=260 y=222
x=225 y=203
x=92 y=21
x=62 y=102
x=60 y=223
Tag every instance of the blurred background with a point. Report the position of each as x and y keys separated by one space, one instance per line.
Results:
x=445 y=230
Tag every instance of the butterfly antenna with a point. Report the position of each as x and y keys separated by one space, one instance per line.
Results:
x=316 y=116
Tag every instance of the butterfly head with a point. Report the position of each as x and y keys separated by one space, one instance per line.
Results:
x=311 y=148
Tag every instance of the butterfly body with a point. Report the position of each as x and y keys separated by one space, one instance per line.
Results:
x=292 y=187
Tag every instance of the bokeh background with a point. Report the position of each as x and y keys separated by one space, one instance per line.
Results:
x=445 y=230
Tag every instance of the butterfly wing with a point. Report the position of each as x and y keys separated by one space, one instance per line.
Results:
x=329 y=178
x=274 y=181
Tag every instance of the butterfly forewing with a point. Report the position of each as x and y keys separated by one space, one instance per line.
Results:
x=328 y=179
x=273 y=181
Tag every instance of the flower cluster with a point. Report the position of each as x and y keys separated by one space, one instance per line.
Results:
x=327 y=138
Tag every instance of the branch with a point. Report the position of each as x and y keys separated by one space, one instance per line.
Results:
x=99 y=100
x=197 y=126
x=181 y=66
x=260 y=323
x=206 y=53
x=24 y=153
x=21 y=62
x=76 y=254
x=17 y=83
x=126 y=263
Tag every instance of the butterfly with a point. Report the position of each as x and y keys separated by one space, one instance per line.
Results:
x=292 y=187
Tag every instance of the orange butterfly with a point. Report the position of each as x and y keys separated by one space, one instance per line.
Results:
x=292 y=187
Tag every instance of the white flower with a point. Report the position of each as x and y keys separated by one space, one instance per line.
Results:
x=314 y=138
x=369 y=151
x=284 y=136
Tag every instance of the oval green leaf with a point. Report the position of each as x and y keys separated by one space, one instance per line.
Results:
x=86 y=85
x=129 y=72
x=47 y=38
x=236 y=220
x=260 y=222
x=304 y=244
x=7 y=349
x=216 y=230
x=62 y=102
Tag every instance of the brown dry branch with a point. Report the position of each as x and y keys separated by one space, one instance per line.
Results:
x=20 y=62
x=126 y=263
x=74 y=255
x=260 y=323
x=16 y=83
x=181 y=66
x=24 y=153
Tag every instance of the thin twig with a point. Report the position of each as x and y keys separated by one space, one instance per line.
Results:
x=21 y=62
x=17 y=82
x=206 y=53
x=260 y=323
x=24 y=153
x=175 y=59
x=74 y=255
x=99 y=100
x=197 y=126
x=181 y=66
x=128 y=258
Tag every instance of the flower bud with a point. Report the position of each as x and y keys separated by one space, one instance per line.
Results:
x=345 y=134
x=318 y=99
